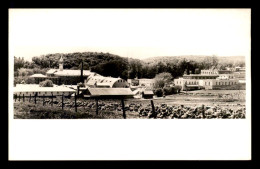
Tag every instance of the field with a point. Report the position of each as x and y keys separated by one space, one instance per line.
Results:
x=111 y=109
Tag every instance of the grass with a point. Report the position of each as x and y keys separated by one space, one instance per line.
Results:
x=26 y=110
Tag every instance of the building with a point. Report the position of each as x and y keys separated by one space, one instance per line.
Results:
x=35 y=89
x=98 y=81
x=63 y=76
x=209 y=72
x=207 y=80
x=147 y=94
x=147 y=83
x=108 y=93
x=38 y=78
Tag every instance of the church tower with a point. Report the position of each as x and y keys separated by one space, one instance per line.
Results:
x=61 y=64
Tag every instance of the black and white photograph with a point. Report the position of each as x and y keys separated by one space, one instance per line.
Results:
x=137 y=67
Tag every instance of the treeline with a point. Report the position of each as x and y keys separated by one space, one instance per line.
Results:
x=108 y=64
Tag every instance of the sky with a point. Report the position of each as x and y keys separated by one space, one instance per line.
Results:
x=136 y=33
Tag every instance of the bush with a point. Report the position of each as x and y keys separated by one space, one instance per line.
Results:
x=46 y=83
x=176 y=89
x=168 y=90
x=158 y=92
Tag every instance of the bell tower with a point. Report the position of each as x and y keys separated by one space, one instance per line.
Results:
x=61 y=64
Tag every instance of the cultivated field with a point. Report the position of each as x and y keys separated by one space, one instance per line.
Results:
x=192 y=101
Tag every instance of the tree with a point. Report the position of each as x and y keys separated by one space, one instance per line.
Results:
x=158 y=92
x=46 y=83
x=162 y=79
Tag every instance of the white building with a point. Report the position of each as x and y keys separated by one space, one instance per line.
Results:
x=99 y=81
x=32 y=89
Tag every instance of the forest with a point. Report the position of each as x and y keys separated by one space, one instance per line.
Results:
x=107 y=64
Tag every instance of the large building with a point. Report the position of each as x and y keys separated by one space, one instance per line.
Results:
x=98 y=81
x=209 y=79
x=63 y=76
x=147 y=83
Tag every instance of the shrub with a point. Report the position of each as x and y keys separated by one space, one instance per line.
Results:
x=46 y=83
x=158 y=92
x=168 y=90
x=176 y=89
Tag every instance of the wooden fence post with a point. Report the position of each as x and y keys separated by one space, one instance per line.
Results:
x=96 y=106
x=35 y=98
x=23 y=97
x=123 y=108
x=30 y=98
x=75 y=102
x=203 y=111
x=153 y=110
x=62 y=104
x=51 y=99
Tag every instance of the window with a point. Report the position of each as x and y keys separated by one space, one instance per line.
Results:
x=26 y=92
x=45 y=92
x=39 y=92
x=57 y=92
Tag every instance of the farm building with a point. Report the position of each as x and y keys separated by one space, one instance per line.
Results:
x=148 y=83
x=62 y=76
x=38 y=77
x=108 y=93
x=32 y=89
x=147 y=94
x=98 y=81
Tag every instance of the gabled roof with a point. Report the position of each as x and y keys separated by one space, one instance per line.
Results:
x=51 y=71
x=110 y=92
x=103 y=84
x=149 y=92
x=68 y=72
x=37 y=88
x=38 y=75
x=106 y=81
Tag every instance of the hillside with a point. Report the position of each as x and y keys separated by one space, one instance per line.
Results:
x=196 y=58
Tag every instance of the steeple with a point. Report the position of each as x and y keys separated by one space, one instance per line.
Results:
x=61 y=64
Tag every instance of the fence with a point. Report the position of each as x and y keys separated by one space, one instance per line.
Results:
x=49 y=100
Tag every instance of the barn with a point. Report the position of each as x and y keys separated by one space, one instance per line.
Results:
x=35 y=89
x=108 y=93
x=98 y=81
x=148 y=94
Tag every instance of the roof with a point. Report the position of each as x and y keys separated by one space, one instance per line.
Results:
x=37 y=88
x=148 y=92
x=192 y=85
x=110 y=91
x=51 y=71
x=38 y=75
x=103 y=84
x=201 y=75
x=68 y=72
x=106 y=81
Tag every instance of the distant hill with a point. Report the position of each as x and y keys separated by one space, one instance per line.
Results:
x=197 y=58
